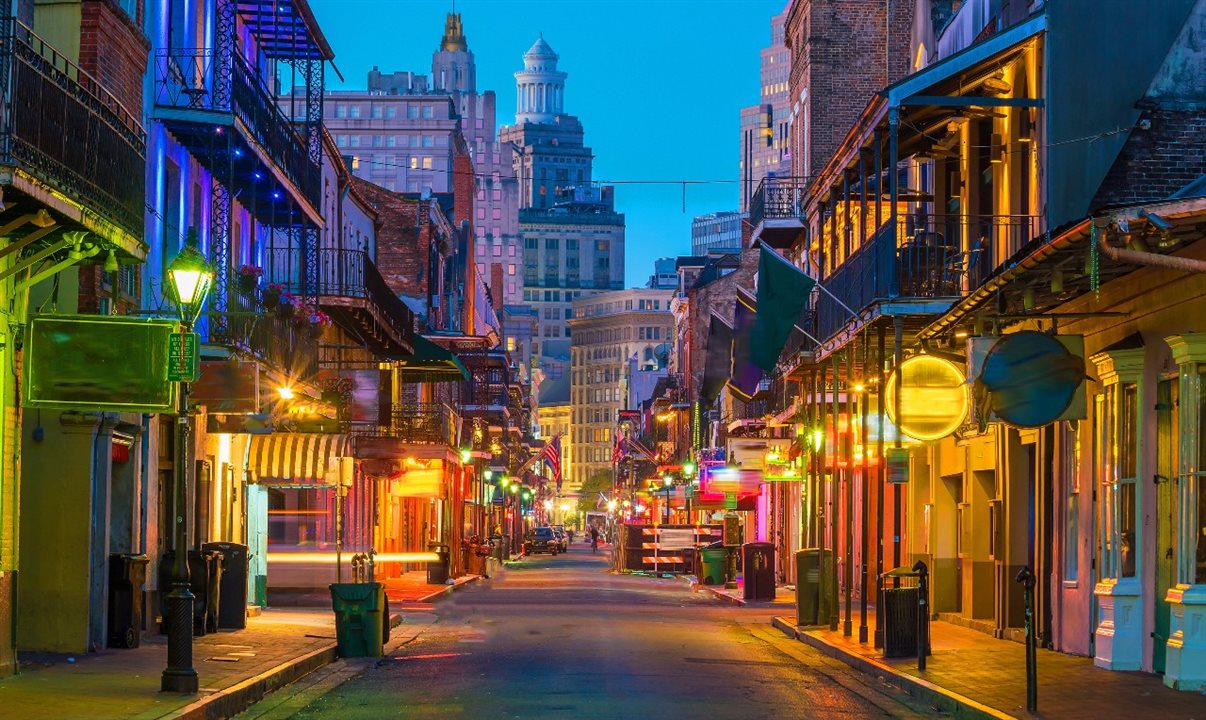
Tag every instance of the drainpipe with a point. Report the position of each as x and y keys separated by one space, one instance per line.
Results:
x=1136 y=257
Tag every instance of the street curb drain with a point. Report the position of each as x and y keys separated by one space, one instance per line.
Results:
x=959 y=706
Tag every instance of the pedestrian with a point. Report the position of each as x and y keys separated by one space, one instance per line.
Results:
x=594 y=538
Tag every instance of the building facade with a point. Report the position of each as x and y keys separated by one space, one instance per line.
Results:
x=718 y=232
x=610 y=329
x=764 y=127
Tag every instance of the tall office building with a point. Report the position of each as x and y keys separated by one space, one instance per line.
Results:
x=615 y=334
x=573 y=238
x=717 y=232
x=403 y=131
x=765 y=126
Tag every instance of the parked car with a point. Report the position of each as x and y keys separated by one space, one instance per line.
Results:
x=541 y=539
x=562 y=537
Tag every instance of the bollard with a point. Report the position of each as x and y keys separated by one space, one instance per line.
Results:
x=923 y=613
x=1026 y=577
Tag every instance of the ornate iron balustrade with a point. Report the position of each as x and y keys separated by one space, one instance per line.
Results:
x=201 y=79
x=778 y=198
x=67 y=131
x=278 y=340
x=924 y=256
x=418 y=423
x=341 y=274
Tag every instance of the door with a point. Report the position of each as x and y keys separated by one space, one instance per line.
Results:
x=257 y=544
x=1166 y=525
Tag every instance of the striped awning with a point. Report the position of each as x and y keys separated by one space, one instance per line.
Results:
x=298 y=459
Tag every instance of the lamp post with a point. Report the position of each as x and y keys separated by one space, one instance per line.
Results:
x=189 y=279
x=667 y=487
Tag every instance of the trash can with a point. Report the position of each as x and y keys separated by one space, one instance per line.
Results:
x=360 y=625
x=437 y=570
x=758 y=561
x=204 y=576
x=900 y=622
x=712 y=561
x=232 y=589
x=811 y=575
x=127 y=573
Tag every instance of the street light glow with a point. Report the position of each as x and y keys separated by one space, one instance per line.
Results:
x=285 y=392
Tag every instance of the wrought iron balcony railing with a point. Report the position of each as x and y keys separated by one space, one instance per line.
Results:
x=343 y=275
x=417 y=423
x=281 y=341
x=200 y=79
x=924 y=256
x=778 y=198
x=64 y=129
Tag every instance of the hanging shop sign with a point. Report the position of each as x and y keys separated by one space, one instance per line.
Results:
x=897 y=462
x=98 y=363
x=933 y=397
x=1029 y=379
x=227 y=387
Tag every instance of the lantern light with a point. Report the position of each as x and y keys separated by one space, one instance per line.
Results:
x=190 y=278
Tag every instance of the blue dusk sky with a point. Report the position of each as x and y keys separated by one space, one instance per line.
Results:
x=658 y=85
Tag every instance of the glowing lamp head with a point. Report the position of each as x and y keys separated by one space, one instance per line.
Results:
x=488 y=474
x=285 y=392
x=527 y=495
x=689 y=469
x=611 y=505
x=189 y=280
x=514 y=489
x=667 y=480
x=548 y=504
x=466 y=456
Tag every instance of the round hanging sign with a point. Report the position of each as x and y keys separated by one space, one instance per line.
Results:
x=1028 y=379
x=933 y=397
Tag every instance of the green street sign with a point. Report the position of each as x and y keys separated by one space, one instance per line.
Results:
x=730 y=501
x=184 y=358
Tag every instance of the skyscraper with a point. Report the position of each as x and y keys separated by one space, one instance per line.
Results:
x=573 y=238
x=403 y=131
x=765 y=126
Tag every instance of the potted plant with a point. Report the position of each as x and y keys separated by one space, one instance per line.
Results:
x=319 y=321
x=247 y=277
x=288 y=305
x=272 y=297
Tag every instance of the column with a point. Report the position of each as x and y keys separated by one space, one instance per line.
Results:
x=1121 y=458
x=1185 y=662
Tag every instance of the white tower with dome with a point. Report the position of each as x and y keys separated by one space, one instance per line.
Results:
x=540 y=86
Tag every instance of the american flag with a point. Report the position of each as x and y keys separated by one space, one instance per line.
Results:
x=617 y=451
x=551 y=454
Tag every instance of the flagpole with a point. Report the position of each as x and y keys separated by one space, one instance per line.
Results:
x=768 y=249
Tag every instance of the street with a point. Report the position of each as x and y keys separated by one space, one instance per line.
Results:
x=560 y=637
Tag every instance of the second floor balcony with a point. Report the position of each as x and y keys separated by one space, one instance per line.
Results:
x=352 y=290
x=432 y=425
x=61 y=130
x=281 y=342
x=928 y=261
x=777 y=210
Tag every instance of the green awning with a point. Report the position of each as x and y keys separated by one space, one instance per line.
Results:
x=430 y=363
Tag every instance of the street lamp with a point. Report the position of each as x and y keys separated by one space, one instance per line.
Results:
x=667 y=487
x=189 y=280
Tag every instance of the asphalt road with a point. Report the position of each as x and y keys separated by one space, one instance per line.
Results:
x=560 y=637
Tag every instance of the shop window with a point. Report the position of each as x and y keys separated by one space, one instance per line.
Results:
x=1071 y=459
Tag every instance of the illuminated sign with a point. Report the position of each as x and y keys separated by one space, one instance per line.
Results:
x=933 y=397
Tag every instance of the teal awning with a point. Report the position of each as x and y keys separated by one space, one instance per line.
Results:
x=430 y=363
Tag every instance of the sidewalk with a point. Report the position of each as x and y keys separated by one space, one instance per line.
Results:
x=785 y=597
x=235 y=668
x=971 y=674
x=412 y=587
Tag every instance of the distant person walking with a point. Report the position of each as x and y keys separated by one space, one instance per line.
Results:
x=594 y=539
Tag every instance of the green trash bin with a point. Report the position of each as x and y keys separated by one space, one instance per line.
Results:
x=812 y=583
x=359 y=618
x=713 y=560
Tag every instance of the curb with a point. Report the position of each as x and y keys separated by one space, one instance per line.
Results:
x=446 y=590
x=959 y=706
x=718 y=592
x=236 y=698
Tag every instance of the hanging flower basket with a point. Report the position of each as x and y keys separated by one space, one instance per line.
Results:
x=272 y=297
x=247 y=277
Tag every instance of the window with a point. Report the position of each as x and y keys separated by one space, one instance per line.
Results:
x=391 y=112
x=376 y=141
x=354 y=111
x=341 y=111
x=428 y=111
x=414 y=162
x=510 y=269
x=412 y=112
x=341 y=140
x=355 y=140
x=1071 y=457
x=403 y=140
x=428 y=141
x=378 y=111
x=427 y=162
x=550 y=244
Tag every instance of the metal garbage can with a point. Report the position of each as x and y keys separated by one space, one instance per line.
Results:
x=231 y=610
x=204 y=576
x=127 y=573
x=900 y=622
x=437 y=570
x=812 y=605
x=758 y=561
x=712 y=561
x=361 y=625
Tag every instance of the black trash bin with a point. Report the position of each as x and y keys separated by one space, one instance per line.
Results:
x=437 y=570
x=232 y=589
x=127 y=573
x=758 y=561
x=900 y=622
x=204 y=577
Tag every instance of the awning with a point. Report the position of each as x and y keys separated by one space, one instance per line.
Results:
x=297 y=459
x=430 y=363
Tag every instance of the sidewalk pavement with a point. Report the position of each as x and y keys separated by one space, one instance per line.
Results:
x=970 y=674
x=412 y=587
x=784 y=596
